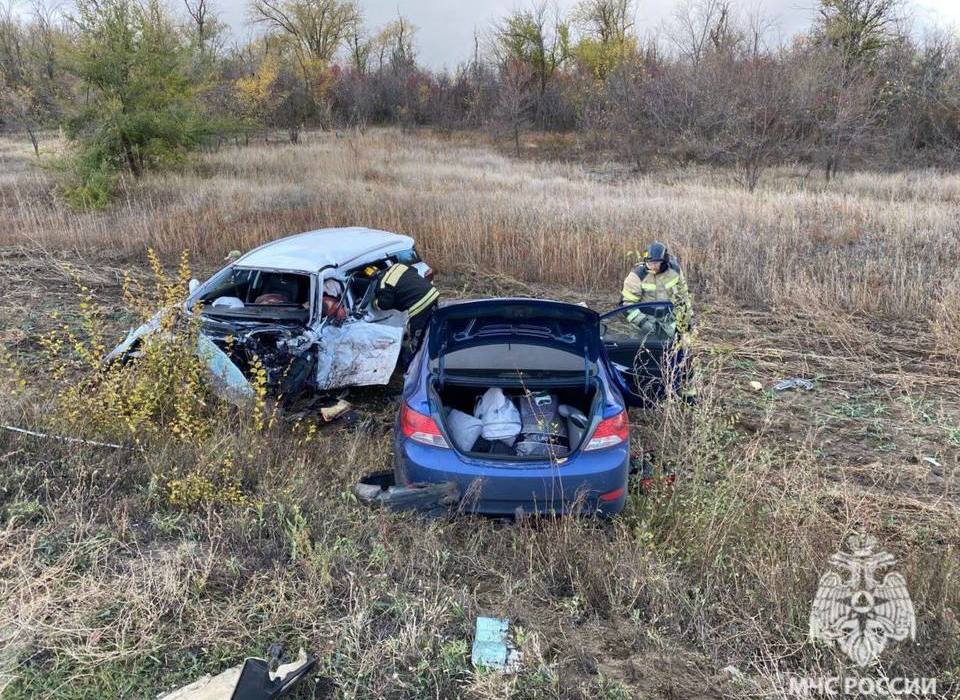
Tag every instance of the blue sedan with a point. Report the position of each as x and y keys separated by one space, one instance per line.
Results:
x=559 y=378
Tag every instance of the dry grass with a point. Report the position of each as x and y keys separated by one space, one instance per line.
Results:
x=106 y=590
x=871 y=243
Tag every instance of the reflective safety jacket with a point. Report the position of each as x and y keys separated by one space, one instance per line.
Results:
x=401 y=288
x=643 y=286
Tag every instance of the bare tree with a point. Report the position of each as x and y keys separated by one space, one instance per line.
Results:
x=514 y=100
x=360 y=47
x=199 y=12
x=699 y=25
x=30 y=76
x=12 y=46
x=395 y=43
x=539 y=39
x=317 y=27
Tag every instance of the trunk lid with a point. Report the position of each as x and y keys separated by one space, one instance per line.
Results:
x=461 y=325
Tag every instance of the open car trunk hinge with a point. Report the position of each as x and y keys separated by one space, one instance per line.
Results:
x=586 y=368
x=443 y=356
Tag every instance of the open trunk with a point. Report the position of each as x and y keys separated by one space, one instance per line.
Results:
x=551 y=421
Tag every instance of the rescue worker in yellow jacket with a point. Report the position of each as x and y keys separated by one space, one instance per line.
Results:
x=402 y=288
x=660 y=278
x=657 y=278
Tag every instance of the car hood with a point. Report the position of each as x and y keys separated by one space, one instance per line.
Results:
x=460 y=324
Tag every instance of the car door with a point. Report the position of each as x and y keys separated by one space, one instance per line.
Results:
x=358 y=351
x=639 y=350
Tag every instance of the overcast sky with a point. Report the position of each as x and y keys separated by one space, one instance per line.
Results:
x=445 y=27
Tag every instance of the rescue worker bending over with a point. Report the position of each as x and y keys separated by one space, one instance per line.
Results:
x=659 y=278
x=402 y=288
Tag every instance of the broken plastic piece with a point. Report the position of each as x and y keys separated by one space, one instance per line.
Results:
x=337 y=410
x=380 y=488
x=252 y=680
x=794 y=383
x=491 y=647
x=228 y=380
x=258 y=682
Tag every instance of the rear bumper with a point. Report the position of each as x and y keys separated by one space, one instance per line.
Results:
x=501 y=488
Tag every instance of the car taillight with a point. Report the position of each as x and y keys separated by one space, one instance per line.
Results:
x=611 y=431
x=420 y=428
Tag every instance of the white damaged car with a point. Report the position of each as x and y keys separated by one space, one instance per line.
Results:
x=302 y=306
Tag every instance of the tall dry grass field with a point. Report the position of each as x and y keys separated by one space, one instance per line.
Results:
x=109 y=587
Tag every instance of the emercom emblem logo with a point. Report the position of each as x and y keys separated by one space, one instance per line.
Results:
x=855 y=610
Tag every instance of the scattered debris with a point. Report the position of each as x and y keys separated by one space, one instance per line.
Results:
x=732 y=673
x=756 y=386
x=337 y=410
x=380 y=488
x=491 y=647
x=642 y=465
x=794 y=383
x=253 y=680
x=63 y=438
x=932 y=461
x=329 y=407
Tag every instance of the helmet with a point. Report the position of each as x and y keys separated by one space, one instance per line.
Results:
x=657 y=252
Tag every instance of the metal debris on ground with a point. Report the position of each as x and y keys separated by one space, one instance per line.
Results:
x=492 y=648
x=932 y=461
x=62 y=438
x=794 y=383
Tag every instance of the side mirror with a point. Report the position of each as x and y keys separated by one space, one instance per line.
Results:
x=193 y=285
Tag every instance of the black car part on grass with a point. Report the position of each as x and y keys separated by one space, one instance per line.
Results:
x=258 y=682
x=380 y=489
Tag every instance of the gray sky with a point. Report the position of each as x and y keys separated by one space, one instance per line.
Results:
x=445 y=27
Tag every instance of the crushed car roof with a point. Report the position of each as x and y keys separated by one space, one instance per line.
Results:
x=310 y=251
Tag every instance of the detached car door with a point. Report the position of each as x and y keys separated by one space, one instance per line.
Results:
x=640 y=351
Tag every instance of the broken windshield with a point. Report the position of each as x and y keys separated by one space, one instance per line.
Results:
x=258 y=294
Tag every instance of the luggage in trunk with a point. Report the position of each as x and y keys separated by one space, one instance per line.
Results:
x=543 y=415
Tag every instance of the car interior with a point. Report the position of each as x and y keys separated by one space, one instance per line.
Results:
x=259 y=287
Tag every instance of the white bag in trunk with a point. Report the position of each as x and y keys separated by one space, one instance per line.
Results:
x=464 y=429
x=499 y=415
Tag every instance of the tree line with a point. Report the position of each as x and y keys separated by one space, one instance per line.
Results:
x=137 y=84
